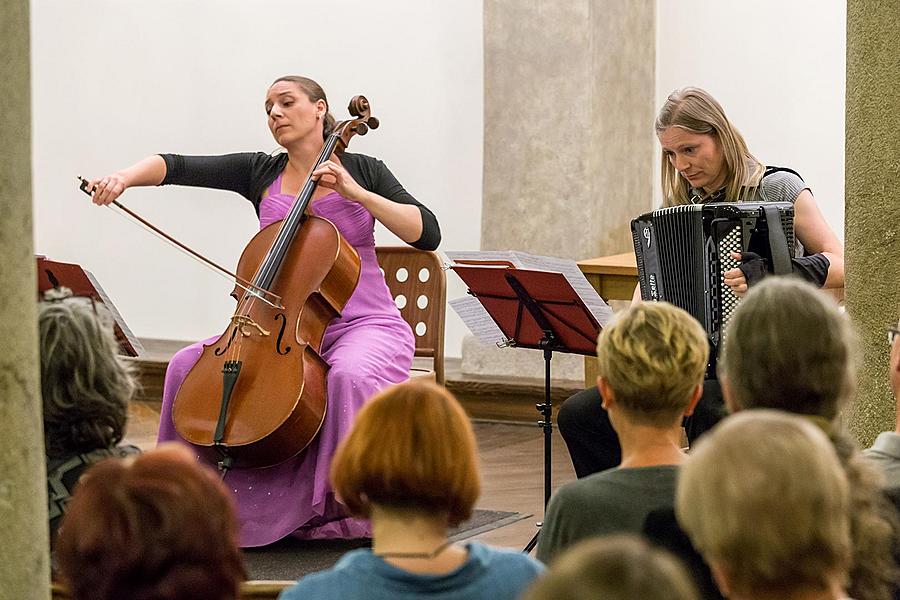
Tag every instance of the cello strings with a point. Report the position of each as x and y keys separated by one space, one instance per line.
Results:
x=290 y=224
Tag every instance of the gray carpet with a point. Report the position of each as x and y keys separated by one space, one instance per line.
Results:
x=291 y=558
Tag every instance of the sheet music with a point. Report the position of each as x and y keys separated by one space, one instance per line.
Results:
x=523 y=260
x=478 y=320
x=569 y=268
x=463 y=255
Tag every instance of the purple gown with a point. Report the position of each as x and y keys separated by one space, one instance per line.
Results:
x=370 y=347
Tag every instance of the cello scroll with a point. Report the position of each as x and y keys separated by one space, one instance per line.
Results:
x=359 y=107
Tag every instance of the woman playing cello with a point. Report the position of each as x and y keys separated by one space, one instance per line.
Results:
x=368 y=347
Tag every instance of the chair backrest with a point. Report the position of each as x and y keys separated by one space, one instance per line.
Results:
x=250 y=590
x=263 y=590
x=417 y=283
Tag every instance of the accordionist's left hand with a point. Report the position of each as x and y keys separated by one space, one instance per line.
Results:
x=750 y=272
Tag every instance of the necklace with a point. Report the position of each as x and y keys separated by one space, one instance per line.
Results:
x=433 y=554
x=698 y=198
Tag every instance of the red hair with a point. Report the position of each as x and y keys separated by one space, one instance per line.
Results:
x=159 y=527
x=412 y=447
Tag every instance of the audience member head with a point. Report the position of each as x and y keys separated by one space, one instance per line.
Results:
x=765 y=499
x=156 y=527
x=85 y=384
x=788 y=347
x=618 y=567
x=412 y=449
x=696 y=112
x=651 y=362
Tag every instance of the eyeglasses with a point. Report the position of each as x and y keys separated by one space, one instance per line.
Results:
x=892 y=335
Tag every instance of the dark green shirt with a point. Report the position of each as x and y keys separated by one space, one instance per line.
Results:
x=613 y=501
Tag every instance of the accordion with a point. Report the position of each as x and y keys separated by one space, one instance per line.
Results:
x=683 y=251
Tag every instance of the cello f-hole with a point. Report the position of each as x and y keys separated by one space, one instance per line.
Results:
x=278 y=346
x=220 y=350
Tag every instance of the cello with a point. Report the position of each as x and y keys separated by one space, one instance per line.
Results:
x=257 y=395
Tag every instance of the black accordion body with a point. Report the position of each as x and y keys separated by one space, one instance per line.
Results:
x=683 y=251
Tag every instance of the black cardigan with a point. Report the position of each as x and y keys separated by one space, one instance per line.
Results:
x=249 y=173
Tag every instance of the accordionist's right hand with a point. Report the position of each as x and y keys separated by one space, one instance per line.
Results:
x=751 y=271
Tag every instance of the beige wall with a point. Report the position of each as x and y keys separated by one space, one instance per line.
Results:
x=568 y=144
x=569 y=147
x=24 y=564
x=873 y=201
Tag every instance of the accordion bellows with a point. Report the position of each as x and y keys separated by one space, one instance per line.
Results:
x=683 y=251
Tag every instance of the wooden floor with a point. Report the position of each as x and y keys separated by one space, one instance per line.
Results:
x=511 y=460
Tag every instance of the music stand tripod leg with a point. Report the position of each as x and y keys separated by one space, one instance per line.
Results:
x=546 y=424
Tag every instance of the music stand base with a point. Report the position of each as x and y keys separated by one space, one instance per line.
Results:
x=546 y=424
x=534 y=540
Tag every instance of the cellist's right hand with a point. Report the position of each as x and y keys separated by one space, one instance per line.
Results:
x=107 y=189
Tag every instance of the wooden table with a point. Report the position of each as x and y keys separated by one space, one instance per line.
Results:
x=614 y=277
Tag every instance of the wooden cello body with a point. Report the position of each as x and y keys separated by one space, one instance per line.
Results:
x=257 y=395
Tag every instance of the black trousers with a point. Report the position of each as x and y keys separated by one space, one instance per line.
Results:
x=593 y=443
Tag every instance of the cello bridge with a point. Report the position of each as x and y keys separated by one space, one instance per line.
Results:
x=245 y=324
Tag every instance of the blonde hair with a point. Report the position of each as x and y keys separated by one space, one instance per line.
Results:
x=411 y=447
x=789 y=347
x=653 y=355
x=618 y=567
x=696 y=111
x=85 y=384
x=764 y=497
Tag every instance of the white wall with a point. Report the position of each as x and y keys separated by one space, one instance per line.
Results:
x=115 y=80
x=778 y=69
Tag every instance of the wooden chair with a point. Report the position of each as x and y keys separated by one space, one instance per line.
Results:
x=263 y=590
x=417 y=283
x=250 y=590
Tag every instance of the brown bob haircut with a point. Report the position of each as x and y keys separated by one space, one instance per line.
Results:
x=158 y=527
x=412 y=447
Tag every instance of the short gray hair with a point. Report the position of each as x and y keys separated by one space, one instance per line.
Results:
x=85 y=384
x=789 y=347
x=764 y=496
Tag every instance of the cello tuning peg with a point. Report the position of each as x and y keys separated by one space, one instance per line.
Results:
x=373 y=123
x=362 y=128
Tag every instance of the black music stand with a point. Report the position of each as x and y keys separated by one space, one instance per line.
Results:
x=534 y=309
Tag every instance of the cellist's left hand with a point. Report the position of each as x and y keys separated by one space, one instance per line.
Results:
x=335 y=177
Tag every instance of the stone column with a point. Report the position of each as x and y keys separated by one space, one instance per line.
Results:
x=873 y=201
x=569 y=149
x=24 y=565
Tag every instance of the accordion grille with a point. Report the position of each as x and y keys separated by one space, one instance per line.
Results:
x=728 y=300
x=679 y=260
